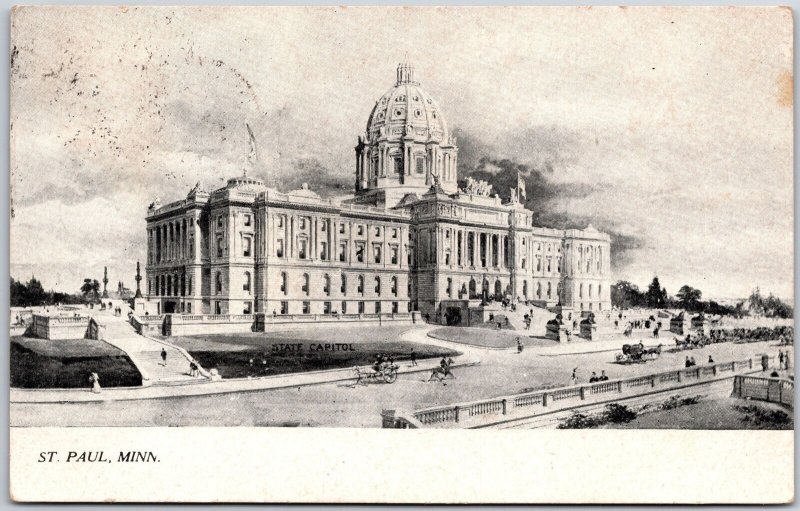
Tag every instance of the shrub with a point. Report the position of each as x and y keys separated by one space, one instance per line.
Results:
x=617 y=414
x=580 y=421
x=764 y=418
x=677 y=401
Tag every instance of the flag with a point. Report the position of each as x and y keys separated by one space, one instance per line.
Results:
x=521 y=187
x=252 y=156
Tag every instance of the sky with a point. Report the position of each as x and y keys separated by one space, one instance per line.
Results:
x=668 y=128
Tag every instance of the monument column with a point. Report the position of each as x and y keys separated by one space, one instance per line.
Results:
x=138 y=281
x=105 y=281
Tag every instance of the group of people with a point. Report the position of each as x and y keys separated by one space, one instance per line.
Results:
x=594 y=378
x=784 y=334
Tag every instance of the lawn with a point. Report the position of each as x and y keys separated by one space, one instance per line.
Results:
x=264 y=354
x=490 y=338
x=69 y=366
x=725 y=413
x=68 y=347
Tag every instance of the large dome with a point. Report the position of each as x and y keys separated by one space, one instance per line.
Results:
x=407 y=110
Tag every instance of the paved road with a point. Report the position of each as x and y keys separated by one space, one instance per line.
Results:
x=339 y=404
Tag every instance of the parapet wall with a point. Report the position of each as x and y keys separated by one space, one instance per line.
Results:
x=59 y=327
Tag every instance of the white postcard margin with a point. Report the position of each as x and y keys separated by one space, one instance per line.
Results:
x=402 y=466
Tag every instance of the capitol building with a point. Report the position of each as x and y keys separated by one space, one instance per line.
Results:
x=409 y=239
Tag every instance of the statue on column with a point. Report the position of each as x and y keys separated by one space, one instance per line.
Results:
x=138 y=280
x=105 y=281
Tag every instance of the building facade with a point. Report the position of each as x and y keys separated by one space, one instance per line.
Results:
x=408 y=239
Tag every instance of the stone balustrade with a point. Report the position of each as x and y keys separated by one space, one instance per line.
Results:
x=774 y=390
x=56 y=327
x=521 y=406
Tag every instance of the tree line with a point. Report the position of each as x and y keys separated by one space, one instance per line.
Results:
x=32 y=293
x=627 y=295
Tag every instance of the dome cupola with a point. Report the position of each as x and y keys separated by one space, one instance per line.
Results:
x=406 y=142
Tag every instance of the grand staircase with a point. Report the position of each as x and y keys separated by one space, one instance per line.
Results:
x=145 y=352
x=540 y=317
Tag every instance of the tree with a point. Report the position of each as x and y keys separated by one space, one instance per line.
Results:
x=35 y=294
x=689 y=297
x=625 y=295
x=655 y=297
x=90 y=288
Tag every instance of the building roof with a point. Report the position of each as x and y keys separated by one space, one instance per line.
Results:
x=407 y=110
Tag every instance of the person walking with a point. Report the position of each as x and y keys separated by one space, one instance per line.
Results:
x=94 y=379
x=780 y=359
x=163 y=356
x=519 y=346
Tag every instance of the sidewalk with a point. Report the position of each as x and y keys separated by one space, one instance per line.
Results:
x=206 y=387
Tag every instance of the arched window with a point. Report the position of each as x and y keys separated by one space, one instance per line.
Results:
x=394 y=286
x=377 y=285
x=549 y=290
x=219 y=282
x=327 y=287
x=246 y=283
x=189 y=286
x=498 y=287
x=284 y=282
x=306 y=281
x=539 y=290
x=473 y=288
x=361 y=284
x=600 y=291
x=580 y=293
x=525 y=289
x=343 y=287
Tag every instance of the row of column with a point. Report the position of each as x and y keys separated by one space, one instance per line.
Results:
x=492 y=244
x=170 y=241
x=169 y=285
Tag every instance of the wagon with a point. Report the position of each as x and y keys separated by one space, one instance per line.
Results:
x=387 y=373
x=637 y=354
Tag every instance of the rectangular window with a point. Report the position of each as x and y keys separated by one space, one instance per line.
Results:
x=420 y=165
x=376 y=252
x=279 y=248
x=341 y=228
x=220 y=246
x=324 y=226
x=306 y=307
x=280 y=221
x=360 y=252
x=248 y=308
x=447 y=258
x=189 y=308
x=219 y=222
x=284 y=307
x=450 y=287
x=326 y=308
x=246 y=246
x=302 y=223
x=394 y=255
x=342 y=252
x=302 y=250
x=377 y=307
x=377 y=231
x=394 y=233
x=247 y=220
x=344 y=307
x=398 y=165
x=323 y=250
x=360 y=230
x=361 y=307
x=395 y=308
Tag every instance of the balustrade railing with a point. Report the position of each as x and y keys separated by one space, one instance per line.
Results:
x=629 y=387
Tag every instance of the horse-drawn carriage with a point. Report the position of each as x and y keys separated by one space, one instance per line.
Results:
x=386 y=372
x=690 y=343
x=637 y=353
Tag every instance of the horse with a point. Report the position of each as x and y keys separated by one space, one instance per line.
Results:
x=441 y=373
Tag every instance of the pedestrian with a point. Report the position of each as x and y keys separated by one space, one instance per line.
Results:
x=688 y=362
x=786 y=363
x=593 y=378
x=693 y=362
x=519 y=346
x=94 y=379
x=780 y=359
x=710 y=359
x=574 y=378
x=603 y=376
x=191 y=368
x=413 y=357
x=164 y=356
